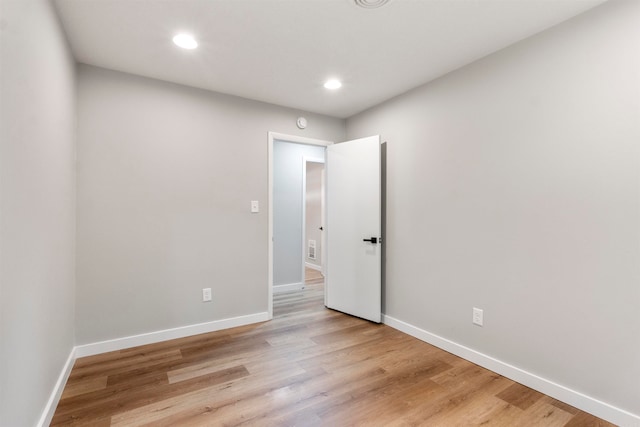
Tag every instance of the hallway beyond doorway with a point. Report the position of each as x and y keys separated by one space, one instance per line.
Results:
x=312 y=276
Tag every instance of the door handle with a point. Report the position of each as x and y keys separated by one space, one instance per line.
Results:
x=373 y=240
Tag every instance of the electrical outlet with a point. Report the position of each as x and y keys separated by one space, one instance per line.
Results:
x=478 y=315
x=206 y=294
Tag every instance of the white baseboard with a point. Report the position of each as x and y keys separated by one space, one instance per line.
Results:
x=54 y=398
x=313 y=266
x=287 y=288
x=167 y=334
x=581 y=401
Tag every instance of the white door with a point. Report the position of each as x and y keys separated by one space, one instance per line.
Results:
x=353 y=281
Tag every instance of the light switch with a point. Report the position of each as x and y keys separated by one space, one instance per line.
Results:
x=255 y=206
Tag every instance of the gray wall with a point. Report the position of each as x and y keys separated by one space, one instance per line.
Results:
x=513 y=185
x=313 y=210
x=37 y=199
x=287 y=210
x=165 y=178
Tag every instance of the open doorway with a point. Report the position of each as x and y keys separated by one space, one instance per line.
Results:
x=352 y=257
x=289 y=246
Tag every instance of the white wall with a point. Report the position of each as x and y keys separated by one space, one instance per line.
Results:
x=287 y=210
x=313 y=210
x=513 y=185
x=37 y=201
x=166 y=175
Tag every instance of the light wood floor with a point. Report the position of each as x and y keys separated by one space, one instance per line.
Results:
x=312 y=277
x=308 y=367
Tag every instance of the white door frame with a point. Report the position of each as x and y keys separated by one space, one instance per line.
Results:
x=273 y=136
x=306 y=160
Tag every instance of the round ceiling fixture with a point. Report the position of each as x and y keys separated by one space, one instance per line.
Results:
x=185 y=41
x=371 y=4
x=333 y=84
x=301 y=122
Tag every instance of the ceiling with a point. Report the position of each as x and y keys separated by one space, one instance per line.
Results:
x=282 y=51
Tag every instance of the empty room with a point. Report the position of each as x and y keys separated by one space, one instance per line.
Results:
x=319 y=212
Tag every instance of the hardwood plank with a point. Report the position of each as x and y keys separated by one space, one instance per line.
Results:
x=542 y=413
x=120 y=364
x=582 y=419
x=567 y=408
x=75 y=388
x=211 y=400
x=312 y=276
x=114 y=400
x=521 y=396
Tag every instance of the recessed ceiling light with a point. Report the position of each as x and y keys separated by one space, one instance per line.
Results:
x=333 y=84
x=185 y=41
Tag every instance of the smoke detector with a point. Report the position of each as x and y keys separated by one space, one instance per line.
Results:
x=370 y=4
